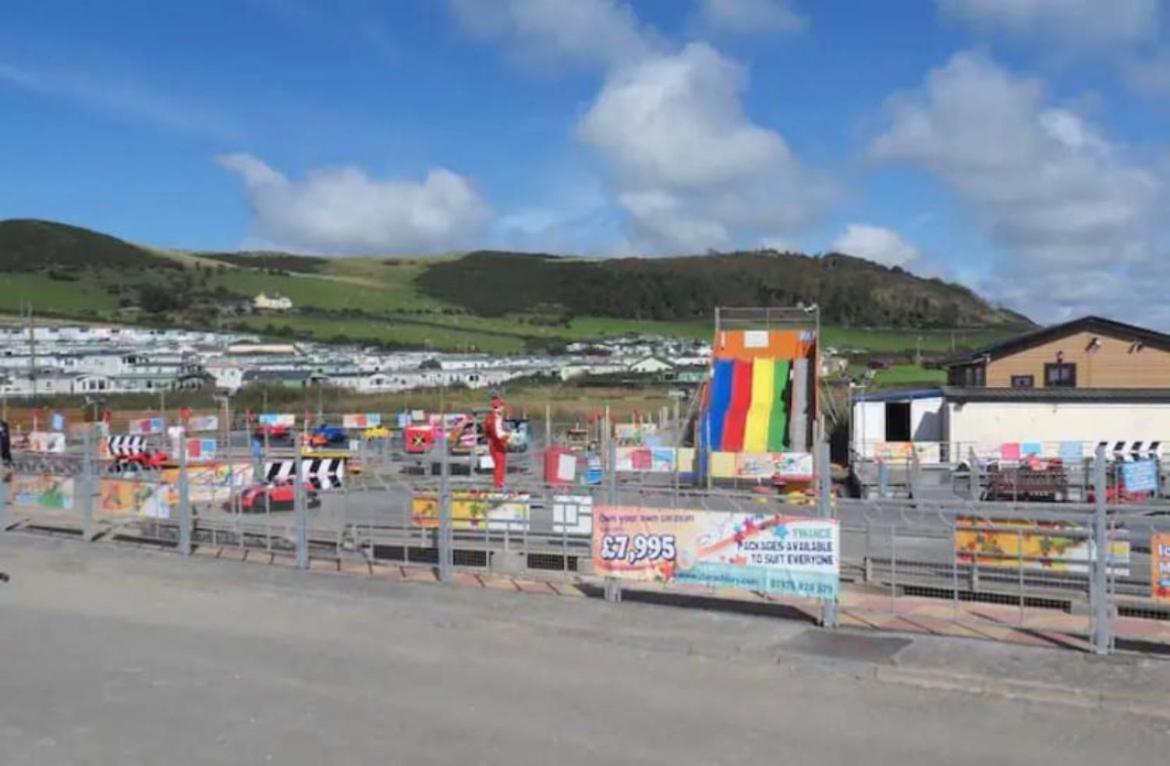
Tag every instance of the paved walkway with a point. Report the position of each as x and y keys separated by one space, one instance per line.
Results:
x=878 y=612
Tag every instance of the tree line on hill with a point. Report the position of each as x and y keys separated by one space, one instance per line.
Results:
x=850 y=291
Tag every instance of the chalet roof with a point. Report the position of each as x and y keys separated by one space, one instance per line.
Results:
x=1091 y=324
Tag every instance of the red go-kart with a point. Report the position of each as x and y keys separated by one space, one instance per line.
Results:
x=275 y=497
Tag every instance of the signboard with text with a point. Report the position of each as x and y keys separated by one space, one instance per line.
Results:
x=782 y=555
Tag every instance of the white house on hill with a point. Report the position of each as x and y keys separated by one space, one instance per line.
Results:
x=263 y=302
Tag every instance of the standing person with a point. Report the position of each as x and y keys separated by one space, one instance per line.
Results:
x=5 y=444
x=497 y=439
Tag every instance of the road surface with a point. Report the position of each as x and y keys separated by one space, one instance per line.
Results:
x=114 y=655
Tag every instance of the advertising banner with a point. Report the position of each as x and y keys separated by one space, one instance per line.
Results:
x=50 y=442
x=203 y=423
x=1056 y=546
x=784 y=555
x=146 y=426
x=42 y=491
x=1160 y=566
x=278 y=419
x=767 y=465
x=367 y=420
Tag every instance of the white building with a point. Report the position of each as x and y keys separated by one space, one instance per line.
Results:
x=264 y=302
x=650 y=365
x=948 y=423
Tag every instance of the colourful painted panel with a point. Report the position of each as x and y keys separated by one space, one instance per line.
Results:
x=755 y=437
x=720 y=400
x=741 y=397
x=778 y=415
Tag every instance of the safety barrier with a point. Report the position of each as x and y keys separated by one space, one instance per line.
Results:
x=1094 y=573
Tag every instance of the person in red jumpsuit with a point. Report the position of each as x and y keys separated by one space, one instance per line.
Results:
x=497 y=439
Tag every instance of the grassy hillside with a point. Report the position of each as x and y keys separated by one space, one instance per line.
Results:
x=850 y=291
x=29 y=245
x=501 y=303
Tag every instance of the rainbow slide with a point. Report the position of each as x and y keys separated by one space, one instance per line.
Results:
x=767 y=416
x=748 y=410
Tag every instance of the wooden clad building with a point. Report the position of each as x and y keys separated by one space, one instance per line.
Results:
x=1090 y=352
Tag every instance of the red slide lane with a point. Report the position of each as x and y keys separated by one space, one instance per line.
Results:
x=741 y=399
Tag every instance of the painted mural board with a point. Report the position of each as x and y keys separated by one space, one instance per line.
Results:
x=1055 y=546
x=1160 y=567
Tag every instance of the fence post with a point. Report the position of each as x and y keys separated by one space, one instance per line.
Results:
x=1099 y=588
x=301 y=520
x=973 y=475
x=825 y=511
x=613 y=587
x=446 y=555
x=184 y=498
x=611 y=476
x=87 y=487
x=548 y=427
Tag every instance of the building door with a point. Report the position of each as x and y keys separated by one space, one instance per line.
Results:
x=897 y=421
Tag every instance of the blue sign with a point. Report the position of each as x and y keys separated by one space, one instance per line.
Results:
x=58 y=421
x=1140 y=476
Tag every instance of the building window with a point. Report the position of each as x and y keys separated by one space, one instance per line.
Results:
x=1060 y=375
x=969 y=376
x=1023 y=381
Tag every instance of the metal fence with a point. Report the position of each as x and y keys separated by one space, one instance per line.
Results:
x=1078 y=569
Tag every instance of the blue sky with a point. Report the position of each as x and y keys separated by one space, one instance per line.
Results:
x=1017 y=145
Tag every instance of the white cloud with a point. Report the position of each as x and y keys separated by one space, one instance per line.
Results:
x=875 y=243
x=688 y=166
x=577 y=31
x=749 y=17
x=122 y=98
x=1045 y=185
x=342 y=210
x=1084 y=22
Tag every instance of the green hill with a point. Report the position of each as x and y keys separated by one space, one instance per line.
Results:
x=850 y=291
x=485 y=301
x=29 y=245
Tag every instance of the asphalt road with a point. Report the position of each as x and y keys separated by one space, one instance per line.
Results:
x=111 y=655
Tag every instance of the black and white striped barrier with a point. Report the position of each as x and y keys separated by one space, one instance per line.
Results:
x=1131 y=451
x=322 y=473
x=125 y=446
